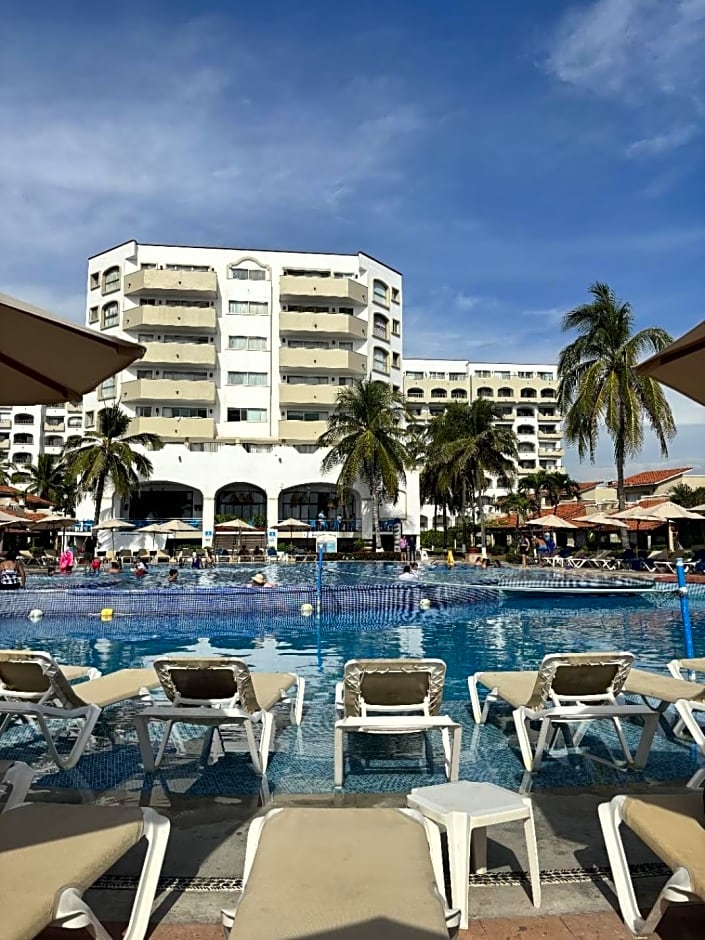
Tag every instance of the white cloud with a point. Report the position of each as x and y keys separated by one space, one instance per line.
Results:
x=662 y=143
x=632 y=48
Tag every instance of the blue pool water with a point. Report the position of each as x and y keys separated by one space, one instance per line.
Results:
x=485 y=631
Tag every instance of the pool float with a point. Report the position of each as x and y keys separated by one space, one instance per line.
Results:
x=66 y=561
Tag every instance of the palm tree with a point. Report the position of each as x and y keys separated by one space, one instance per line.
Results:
x=687 y=496
x=598 y=382
x=467 y=445
x=518 y=503
x=367 y=439
x=45 y=479
x=107 y=455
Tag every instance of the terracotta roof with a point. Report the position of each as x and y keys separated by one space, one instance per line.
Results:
x=27 y=497
x=589 y=486
x=653 y=477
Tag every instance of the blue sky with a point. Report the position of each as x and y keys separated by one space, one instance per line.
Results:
x=502 y=156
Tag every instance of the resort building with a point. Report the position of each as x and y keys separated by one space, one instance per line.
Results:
x=246 y=352
x=26 y=431
x=525 y=397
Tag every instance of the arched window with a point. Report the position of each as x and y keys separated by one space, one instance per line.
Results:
x=485 y=392
x=415 y=393
x=237 y=273
x=111 y=280
x=380 y=327
x=526 y=448
x=53 y=440
x=458 y=394
x=380 y=292
x=505 y=392
x=24 y=418
x=526 y=429
x=23 y=439
x=75 y=422
x=380 y=359
x=528 y=393
x=548 y=393
x=439 y=393
x=111 y=315
x=525 y=412
x=21 y=457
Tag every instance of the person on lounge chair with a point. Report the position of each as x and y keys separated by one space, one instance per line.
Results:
x=12 y=573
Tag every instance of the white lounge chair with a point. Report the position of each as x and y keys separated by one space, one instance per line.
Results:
x=15 y=780
x=216 y=692
x=394 y=696
x=362 y=874
x=50 y=854
x=33 y=686
x=673 y=827
x=567 y=688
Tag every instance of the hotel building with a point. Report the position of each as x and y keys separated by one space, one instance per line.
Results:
x=26 y=431
x=246 y=352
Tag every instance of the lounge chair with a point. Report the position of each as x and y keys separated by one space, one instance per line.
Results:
x=362 y=874
x=34 y=686
x=219 y=691
x=50 y=854
x=673 y=828
x=568 y=687
x=394 y=696
x=15 y=781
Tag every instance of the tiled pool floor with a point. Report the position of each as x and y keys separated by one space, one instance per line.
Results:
x=303 y=758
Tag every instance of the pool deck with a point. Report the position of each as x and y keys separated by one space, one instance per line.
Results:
x=208 y=841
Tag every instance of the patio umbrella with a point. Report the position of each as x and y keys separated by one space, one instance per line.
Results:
x=671 y=512
x=113 y=526
x=52 y=522
x=7 y=519
x=700 y=508
x=293 y=525
x=638 y=513
x=177 y=525
x=681 y=365
x=237 y=525
x=153 y=528
x=551 y=521
x=47 y=361
x=603 y=519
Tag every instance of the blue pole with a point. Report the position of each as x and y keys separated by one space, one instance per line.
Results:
x=319 y=580
x=685 y=608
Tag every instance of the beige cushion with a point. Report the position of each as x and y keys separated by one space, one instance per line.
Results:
x=697 y=664
x=116 y=687
x=665 y=688
x=672 y=827
x=74 y=672
x=361 y=874
x=270 y=686
x=47 y=847
x=514 y=687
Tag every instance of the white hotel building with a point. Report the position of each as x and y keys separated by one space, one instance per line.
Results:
x=246 y=351
x=525 y=397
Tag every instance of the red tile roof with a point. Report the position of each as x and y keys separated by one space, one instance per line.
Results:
x=28 y=498
x=653 y=477
x=588 y=486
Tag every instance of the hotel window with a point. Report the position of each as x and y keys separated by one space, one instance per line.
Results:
x=483 y=374
x=306 y=379
x=53 y=440
x=439 y=393
x=485 y=393
x=145 y=373
x=248 y=307
x=414 y=376
x=111 y=280
x=246 y=274
x=183 y=302
x=395 y=295
x=306 y=448
x=74 y=440
x=170 y=411
x=310 y=344
x=548 y=393
x=436 y=375
x=380 y=360
x=257 y=415
x=147 y=266
x=349 y=311
x=24 y=419
x=22 y=457
x=174 y=375
x=253 y=343
x=415 y=393
x=111 y=315
x=306 y=415
x=457 y=376
x=143 y=411
x=198 y=268
x=147 y=338
x=459 y=394
x=93 y=315
x=345 y=345
x=90 y=419
x=346 y=380
x=396 y=360
x=247 y=378
x=94 y=282
x=396 y=327
x=380 y=327
x=23 y=439
x=380 y=293
x=546 y=376
x=528 y=393
x=107 y=389
x=505 y=392
x=75 y=422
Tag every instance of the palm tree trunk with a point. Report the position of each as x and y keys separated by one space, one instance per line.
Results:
x=376 y=535
x=619 y=459
x=481 y=514
x=99 y=490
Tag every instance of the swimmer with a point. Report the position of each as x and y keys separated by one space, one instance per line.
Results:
x=259 y=580
x=173 y=576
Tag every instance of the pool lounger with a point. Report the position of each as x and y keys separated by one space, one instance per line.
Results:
x=376 y=697
x=15 y=780
x=34 y=686
x=567 y=687
x=51 y=853
x=219 y=691
x=673 y=827
x=362 y=874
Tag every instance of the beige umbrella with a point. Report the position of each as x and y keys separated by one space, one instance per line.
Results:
x=47 y=361
x=602 y=518
x=293 y=525
x=700 y=508
x=637 y=513
x=177 y=525
x=552 y=521
x=52 y=522
x=671 y=512
x=113 y=526
x=236 y=525
x=154 y=528
x=7 y=519
x=681 y=365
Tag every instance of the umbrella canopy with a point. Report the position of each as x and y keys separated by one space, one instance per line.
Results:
x=235 y=524
x=670 y=510
x=551 y=521
x=681 y=365
x=639 y=513
x=52 y=522
x=47 y=361
x=153 y=527
x=601 y=518
x=292 y=524
x=177 y=525
x=7 y=519
x=114 y=524
x=700 y=508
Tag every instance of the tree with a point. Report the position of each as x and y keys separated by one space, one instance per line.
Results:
x=687 y=496
x=367 y=439
x=520 y=504
x=599 y=385
x=106 y=455
x=551 y=485
x=49 y=479
x=468 y=445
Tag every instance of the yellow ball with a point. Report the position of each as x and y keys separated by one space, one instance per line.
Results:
x=106 y=613
x=307 y=609
x=424 y=603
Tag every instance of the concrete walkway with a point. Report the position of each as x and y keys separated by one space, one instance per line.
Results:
x=206 y=854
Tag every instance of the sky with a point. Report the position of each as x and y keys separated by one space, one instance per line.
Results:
x=503 y=156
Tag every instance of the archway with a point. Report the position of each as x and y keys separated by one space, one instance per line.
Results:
x=162 y=500
x=321 y=506
x=241 y=501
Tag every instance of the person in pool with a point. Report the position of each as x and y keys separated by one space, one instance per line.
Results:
x=259 y=581
x=173 y=576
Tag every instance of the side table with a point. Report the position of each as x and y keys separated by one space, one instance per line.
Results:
x=465 y=810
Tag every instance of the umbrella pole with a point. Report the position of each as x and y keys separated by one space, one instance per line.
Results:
x=685 y=608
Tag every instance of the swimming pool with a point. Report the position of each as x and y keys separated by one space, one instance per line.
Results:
x=490 y=631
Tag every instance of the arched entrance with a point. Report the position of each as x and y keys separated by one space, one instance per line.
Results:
x=241 y=501
x=161 y=501
x=321 y=506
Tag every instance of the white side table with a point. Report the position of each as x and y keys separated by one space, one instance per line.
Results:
x=465 y=810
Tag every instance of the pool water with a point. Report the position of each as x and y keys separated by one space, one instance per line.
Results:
x=492 y=632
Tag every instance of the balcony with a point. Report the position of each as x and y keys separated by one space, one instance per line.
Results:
x=5 y=424
x=301 y=432
x=74 y=407
x=328 y=324
x=333 y=360
x=54 y=428
x=308 y=394
x=5 y=444
x=328 y=288
x=175 y=429
x=175 y=318
x=159 y=279
x=192 y=354
x=169 y=390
